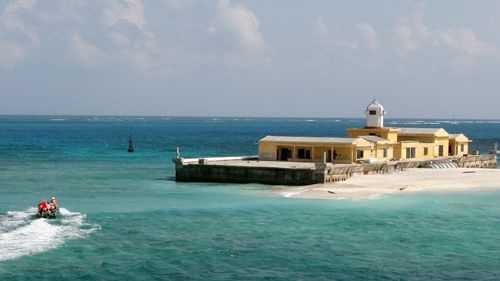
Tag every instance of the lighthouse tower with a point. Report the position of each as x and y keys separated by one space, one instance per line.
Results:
x=375 y=115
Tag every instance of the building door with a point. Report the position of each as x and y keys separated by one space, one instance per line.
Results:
x=329 y=156
x=284 y=154
x=441 y=151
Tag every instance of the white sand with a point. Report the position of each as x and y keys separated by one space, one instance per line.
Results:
x=412 y=180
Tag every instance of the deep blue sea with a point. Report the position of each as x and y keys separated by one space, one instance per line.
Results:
x=123 y=217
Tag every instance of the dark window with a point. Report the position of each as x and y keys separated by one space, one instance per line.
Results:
x=359 y=154
x=284 y=154
x=426 y=150
x=441 y=151
x=303 y=153
x=385 y=152
x=462 y=148
x=373 y=112
x=410 y=152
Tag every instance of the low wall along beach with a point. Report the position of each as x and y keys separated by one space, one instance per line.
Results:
x=250 y=170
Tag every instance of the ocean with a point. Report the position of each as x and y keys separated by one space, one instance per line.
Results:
x=123 y=217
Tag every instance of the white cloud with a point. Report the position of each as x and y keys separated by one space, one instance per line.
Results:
x=124 y=19
x=12 y=21
x=131 y=11
x=464 y=39
x=241 y=22
x=320 y=28
x=369 y=35
x=17 y=37
x=331 y=37
x=414 y=33
x=405 y=36
x=420 y=27
x=87 y=53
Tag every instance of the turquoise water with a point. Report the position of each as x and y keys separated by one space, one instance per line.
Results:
x=124 y=218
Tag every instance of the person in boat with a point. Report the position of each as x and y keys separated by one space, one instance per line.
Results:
x=43 y=207
x=53 y=203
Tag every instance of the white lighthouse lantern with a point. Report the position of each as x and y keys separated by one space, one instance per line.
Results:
x=375 y=115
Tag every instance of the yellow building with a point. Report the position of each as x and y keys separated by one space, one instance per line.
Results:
x=459 y=144
x=315 y=149
x=373 y=143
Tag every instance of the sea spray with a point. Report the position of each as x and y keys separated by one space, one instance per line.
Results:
x=23 y=234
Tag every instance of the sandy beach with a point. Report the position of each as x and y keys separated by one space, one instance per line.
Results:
x=412 y=180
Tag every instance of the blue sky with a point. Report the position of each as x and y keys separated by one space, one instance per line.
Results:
x=421 y=59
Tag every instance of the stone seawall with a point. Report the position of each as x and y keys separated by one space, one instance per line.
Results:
x=478 y=161
x=250 y=170
x=245 y=174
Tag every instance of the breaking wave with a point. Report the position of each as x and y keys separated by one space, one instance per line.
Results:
x=21 y=233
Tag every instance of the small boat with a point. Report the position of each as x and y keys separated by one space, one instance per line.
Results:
x=45 y=211
x=48 y=214
x=130 y=146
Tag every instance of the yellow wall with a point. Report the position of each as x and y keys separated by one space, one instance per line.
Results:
x=367 y=153
x=345 y=153
x=419 y=138
x=267 y=151
x=386 y=133
x=444 y=141
x=400 y=152
x=342 y=155
x=457 y=143
x=456 y=147
x=379 y=152
x=319 y=151
x=336 y=153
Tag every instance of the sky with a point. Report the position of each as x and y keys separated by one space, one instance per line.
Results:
x=280 y=58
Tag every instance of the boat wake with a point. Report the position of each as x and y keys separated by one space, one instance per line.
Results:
x=21 y=233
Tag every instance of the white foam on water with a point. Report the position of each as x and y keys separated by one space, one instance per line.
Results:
x=374 y=196
x=21 y=233
x=290 y=194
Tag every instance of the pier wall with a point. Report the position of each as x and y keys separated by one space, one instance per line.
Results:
x=211 y=171
x=250 y=170
x=478 y=161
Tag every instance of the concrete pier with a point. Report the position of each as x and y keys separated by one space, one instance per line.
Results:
x=248 y=169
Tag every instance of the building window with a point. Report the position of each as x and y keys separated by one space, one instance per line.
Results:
x=373 y=112
x=359 y=154
x=410 y=152
x=441 y=151
x=303 y=153
x=284 y=154
x=462 y=148
x=426 y=151
x=384 y=152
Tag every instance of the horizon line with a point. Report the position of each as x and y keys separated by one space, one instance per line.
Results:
x=239 y=117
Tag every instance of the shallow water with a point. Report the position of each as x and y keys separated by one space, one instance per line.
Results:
x=124 y=218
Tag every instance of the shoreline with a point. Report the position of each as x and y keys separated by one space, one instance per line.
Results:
x=410 y=181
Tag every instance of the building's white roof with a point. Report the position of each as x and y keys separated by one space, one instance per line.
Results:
x=420 y=131
x=351 y=141
x=459 y=137
x=375 y=139
x=375 y=105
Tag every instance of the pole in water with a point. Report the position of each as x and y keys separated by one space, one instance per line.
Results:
x=130 y=146
x=178 y=153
